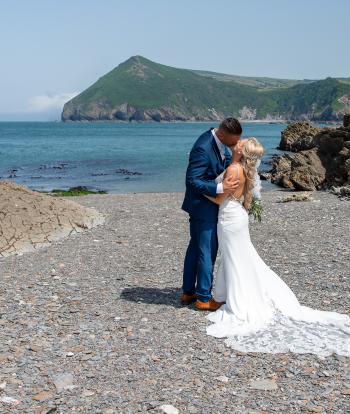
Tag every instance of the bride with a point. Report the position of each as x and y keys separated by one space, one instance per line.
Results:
x=259 y=312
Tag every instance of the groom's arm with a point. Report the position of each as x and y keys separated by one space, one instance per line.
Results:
x=197 y=167
x=219 y=199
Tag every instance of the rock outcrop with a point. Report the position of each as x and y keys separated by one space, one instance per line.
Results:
x=298 y=136
x=98 y=111
x=302 y=171
x=30 y=220
x=322 y=159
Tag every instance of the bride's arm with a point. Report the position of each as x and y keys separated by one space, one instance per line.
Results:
x=218 y=199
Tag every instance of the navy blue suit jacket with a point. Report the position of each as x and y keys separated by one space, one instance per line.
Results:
x=205 y=164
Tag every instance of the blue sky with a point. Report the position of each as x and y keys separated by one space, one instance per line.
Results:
x=52 y=50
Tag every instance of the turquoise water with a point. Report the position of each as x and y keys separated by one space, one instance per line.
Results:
x=48 y=155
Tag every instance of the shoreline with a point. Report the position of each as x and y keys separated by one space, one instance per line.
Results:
x=97 y=121
x=266 y=186
x=116 y=122
x=269 y=187
x=242 y=121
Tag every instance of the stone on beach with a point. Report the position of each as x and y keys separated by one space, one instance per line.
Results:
x=63 y=382
x=42 y=396
x=223 y=378
x=111 y=319
x=9 y=400
x=264 y=384
x=30 y=220
x=168 y=409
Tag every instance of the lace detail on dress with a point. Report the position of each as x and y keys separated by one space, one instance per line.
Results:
x=285 y=334
x=307 y=331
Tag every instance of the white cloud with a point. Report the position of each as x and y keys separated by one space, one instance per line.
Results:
x=49 y=101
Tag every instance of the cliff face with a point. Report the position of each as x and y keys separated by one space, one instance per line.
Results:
x=142 y=90
x=99 y=111
x=322 y=158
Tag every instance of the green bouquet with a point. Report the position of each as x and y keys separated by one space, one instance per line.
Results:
x=256 y=210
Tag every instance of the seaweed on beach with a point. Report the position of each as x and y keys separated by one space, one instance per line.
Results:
x=75 y=191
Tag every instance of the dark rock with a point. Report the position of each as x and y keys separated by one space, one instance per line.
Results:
x=59 y=166
x=347 y=166
x=330 y=142
x=341 y=192
x=138 y=115
x=124 y=171
x=265 y=176
x=345 y=152
x=280 y=171
x=123 y=112
x=302 y=171
x=298 y=136
x=324 y=165
x=78 y=188
x=307 y=173
x=346 y=120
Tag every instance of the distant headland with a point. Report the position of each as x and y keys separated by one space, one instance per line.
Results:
x=141 y=90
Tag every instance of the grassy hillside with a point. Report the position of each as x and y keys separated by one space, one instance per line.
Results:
x=257 y=82
x=147 y=87
x=145 y=84
x=261 y=83
x=318 y=98
x=345 y=80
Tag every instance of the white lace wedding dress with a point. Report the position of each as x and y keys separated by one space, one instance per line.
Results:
x=261 y=313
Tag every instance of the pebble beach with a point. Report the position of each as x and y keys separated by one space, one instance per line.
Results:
x=92 y=323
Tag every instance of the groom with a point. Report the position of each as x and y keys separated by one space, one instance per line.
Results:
x=209 y=157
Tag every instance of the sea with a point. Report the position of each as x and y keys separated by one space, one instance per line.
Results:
x=116 y=158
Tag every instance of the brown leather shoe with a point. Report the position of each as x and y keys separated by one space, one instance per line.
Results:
x=188 y=299
x=210 y=306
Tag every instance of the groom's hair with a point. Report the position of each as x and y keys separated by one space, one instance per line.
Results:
x=231 y=126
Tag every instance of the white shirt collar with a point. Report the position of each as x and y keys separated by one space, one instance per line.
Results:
x=220 y=145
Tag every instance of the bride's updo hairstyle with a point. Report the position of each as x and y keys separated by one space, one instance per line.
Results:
x=251 y=154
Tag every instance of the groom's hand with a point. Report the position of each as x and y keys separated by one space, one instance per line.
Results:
x=230 y=184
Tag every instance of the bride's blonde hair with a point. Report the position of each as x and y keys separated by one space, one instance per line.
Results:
x=251 y=153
